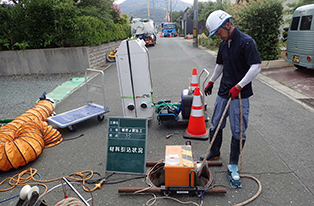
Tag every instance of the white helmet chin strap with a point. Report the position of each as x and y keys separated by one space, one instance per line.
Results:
x=228 y=29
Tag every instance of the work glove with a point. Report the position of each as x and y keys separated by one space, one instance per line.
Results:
x=209 y=88
x=234 y=92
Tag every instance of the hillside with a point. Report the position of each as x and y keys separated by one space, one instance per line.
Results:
x=157 y=8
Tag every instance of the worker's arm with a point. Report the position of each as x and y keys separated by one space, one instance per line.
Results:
x=217 y=72
x=250 y=75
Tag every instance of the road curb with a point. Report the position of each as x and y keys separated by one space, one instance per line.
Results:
x=290 y=93
x=273 y=64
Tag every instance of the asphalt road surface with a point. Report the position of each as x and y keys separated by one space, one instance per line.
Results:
x=278 y=151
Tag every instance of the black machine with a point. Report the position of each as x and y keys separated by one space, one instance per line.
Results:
x=168 y=113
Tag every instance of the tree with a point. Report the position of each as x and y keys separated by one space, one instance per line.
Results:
x=39 y=13
x=65 y=24
x=59 y=23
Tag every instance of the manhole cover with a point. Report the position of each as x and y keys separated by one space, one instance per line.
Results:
x=308 y=101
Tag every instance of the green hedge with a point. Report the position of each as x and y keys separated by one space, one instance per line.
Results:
x=37 y=24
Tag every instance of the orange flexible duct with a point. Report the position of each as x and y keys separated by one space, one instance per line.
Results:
x=24 y=139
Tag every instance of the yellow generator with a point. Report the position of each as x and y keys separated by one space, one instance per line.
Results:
x=179 y=167
x=178 y=174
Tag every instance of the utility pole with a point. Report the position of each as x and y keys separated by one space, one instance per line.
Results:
x=148 y=12
x=167 y=14
x=170 y=10
x=195 y=24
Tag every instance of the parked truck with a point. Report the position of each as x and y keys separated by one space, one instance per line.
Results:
x=169 y=29
x=144 y=29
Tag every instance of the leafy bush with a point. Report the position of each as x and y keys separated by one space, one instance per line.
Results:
x=211 y=43
x=12 y=25
x=38 y=22
x=60 y=23
x=65 y=24
x=261 y=20
x=89 y=31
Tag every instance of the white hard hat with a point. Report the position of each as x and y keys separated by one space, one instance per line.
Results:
x=215 y=20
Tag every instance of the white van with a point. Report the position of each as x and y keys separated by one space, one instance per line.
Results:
x=300 y=42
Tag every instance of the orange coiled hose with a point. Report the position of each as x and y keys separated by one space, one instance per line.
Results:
x=24 y=139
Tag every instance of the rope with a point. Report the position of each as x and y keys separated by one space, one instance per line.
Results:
x=256 y=195
x=241 y=159
x=153 y=200
x=159 y=164
x=241 y=132
x=216 y=132
x=65 y=192
x=71 y=201
x=241 y=148
x=20 y=180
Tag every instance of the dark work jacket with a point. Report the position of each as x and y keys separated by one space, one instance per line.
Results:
x=237 y=57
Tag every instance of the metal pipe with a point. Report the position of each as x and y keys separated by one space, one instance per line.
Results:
x=76 y=192
x=214 y=163
x=158 y=190
x=217 y=190
x=139 y=189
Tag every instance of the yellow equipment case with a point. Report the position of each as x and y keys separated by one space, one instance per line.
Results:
x=179 y=166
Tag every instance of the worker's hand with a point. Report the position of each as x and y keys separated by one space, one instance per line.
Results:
x=209 y=88
x=234 y=91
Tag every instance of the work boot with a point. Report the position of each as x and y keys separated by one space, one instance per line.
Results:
x=235 y=151
x=215 y=149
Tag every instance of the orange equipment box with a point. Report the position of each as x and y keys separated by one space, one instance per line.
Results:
x=178 y=165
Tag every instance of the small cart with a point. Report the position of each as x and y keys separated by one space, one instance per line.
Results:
x=70 y=118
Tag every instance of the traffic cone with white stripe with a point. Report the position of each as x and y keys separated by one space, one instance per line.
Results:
x=197 y=128
x=194 y=80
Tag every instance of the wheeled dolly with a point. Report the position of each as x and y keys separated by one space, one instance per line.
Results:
x=70 y=118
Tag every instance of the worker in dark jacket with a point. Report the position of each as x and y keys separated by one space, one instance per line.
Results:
x=239 y=63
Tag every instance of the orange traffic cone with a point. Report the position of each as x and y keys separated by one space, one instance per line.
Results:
x=160 y=34
x=197 y=128
x=189 y=36
x=194 y=80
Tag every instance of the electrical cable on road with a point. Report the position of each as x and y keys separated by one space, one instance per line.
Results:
x=27 y=177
